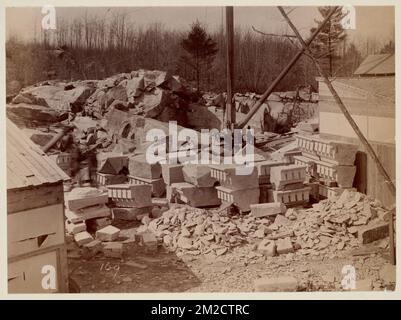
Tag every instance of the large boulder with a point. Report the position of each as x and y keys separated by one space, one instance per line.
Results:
x=116 y=93
x=135 y=88
x=55 y=97
x=113 y=80
x=113 y=120
x=152 y=103
x=31 y=115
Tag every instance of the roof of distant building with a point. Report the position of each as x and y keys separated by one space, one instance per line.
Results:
x=377 y=64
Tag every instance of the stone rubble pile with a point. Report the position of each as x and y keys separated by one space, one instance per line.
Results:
x=343 y=223
x=149 y=93
x=326 y=228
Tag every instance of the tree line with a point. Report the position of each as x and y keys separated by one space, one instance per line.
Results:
x=95 y=48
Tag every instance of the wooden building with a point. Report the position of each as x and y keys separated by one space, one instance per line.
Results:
x=37 y=261
x=370 y=98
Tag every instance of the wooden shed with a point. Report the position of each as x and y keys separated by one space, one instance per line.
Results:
x=37 y=260
x=370 y=99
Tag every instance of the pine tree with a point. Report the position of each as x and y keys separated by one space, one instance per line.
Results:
x=327 y=43
x=201 y=50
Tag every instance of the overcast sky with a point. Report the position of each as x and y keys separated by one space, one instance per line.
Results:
x=373 y=22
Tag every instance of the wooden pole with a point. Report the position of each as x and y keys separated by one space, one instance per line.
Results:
x=230 y=66
x=354 y=126
x=284 y=71
x=56 y=138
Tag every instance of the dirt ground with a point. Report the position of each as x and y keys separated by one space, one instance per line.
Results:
x=163 y=271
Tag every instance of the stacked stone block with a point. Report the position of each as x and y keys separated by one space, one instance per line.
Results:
x=238 y=185
x=330 y=163
x=144 y=173
x=288 y=185
x=197 y=188
x=85 y=207
x=112 y=169
x=263 y=168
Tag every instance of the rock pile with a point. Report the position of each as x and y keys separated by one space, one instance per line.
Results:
x=334 y=225
x=326 y=228
x=153 y=94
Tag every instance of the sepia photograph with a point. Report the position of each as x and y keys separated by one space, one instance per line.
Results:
x=200 y=149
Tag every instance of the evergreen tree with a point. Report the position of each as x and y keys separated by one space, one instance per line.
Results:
x=326 y=46
x=201 y=50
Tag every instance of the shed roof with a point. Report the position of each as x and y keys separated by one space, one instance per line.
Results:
x=377 y=64
x=27 y=164
x=378 y=86
x=381 y=87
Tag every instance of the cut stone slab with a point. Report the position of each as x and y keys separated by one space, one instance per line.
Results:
x=172 y=173
x=267 y=248
x=265 y=166
x=140 y=167
x=147 y=239
x=279 y=284
x=290 y=197
x=80 y=198
x=160 y=202
x=74 y=228
x=230 y=176
x=280 y=176
x=97 y=223
x=104 y=179
x=196 y=196
x=158 y=186
x=129 y=233
x=91 y=249
x=129 y=195
x=372 y=233
x=72 y=216
x=284 y=246
x=130 y=214
x=198 y=175
x=334 y=193
x=336 y=152
x=267 y=209
x=113 y=249
x=342 y=175
x=96 y=211
x=109 y=233
x=83 y=238
x=241 y=198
